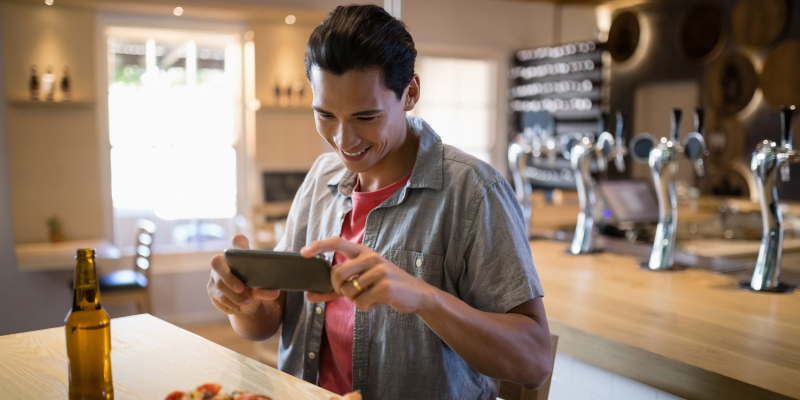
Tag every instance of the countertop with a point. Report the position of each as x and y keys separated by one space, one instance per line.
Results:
x=690 y=332
x=150 y=358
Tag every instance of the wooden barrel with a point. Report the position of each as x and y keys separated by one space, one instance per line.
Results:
x=730 y=83
x=759 y=23
x=781 y=75
x=623 y=37
x=703 y=33
x=726 y=138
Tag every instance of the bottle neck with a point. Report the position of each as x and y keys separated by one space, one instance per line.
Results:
x=86 y=293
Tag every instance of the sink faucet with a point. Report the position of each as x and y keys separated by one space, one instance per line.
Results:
x=581 y=155
x=533 y=143
x=663 y=161
x=767 y=162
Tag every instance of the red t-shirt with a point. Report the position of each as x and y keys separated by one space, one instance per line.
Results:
x=336 y=350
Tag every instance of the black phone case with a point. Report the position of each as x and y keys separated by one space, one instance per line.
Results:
x=277 y=270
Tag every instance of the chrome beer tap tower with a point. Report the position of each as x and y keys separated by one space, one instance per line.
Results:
x=663 y=161
x=605 y=148
x=531 y=143
x=767 y=162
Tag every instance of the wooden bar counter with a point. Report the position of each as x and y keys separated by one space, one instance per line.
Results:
x=690 y=332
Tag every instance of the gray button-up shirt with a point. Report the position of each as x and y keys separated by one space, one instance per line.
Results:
x=456 y=225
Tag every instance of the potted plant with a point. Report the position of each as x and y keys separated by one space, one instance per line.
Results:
x=54 y=229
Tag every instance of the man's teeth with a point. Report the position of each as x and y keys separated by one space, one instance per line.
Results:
x=354 y=154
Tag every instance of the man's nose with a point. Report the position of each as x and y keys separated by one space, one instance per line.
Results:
x=345 y=137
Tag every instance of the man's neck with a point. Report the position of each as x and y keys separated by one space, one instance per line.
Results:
x=393 y=167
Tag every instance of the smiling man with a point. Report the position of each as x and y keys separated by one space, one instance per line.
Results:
x=436 y=296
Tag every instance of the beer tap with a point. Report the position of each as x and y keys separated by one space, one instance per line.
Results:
x=535 y=143
x=518 y=153
x=663 y=161
x=767 y=160
x=581 y=156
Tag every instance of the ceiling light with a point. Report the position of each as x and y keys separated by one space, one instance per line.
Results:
x=48 y=2
x=178 y=11
x=290 y=19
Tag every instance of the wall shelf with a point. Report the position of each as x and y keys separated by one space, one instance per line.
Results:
x=51 y=104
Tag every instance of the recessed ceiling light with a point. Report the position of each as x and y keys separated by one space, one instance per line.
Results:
x=290 y=19
x=178 y=11
x=48 y=2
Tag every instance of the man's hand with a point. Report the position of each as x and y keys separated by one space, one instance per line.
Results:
x=227 y=292
x=379 y=280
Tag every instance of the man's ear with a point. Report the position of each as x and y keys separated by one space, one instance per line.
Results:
x=412 y=94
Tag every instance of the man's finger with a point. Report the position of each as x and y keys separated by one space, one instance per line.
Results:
x=315 y=297
x=240 y=242
x=266 y=294
x=341 y=274
x=237 y=299
x=221 y=307
x=222 y=269
x=336 y=244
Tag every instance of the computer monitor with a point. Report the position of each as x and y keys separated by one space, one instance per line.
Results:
x=629 y=201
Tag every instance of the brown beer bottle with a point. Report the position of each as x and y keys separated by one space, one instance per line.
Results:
x=88 y=335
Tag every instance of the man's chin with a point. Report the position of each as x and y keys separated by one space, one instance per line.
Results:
x=356 y=166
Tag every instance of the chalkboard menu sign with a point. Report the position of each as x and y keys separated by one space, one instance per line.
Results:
x=555 y=92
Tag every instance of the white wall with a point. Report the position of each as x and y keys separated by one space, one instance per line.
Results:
x=53 y=151
x=30 y=300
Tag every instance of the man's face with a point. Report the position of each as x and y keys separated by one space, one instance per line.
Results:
x=359 y=117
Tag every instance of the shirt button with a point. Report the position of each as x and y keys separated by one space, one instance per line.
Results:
x=419 y=262
x=341 y=215
x=319 y=310
x=312 y=356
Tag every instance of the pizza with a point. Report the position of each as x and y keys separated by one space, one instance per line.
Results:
x=213 y=391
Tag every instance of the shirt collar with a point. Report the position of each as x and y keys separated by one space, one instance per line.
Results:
x=427 y=171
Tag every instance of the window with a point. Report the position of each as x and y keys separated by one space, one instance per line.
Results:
x=173 y=104
x=458 y=101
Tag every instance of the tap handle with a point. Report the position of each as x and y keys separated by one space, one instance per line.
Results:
x=787 y=112
x=602 y=123
x=620 y=129
x=699 y=167
x=619 y=133
x=699 y=120
x=676 y=124
x=785 y=172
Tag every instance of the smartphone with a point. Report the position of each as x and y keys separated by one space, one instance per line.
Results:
x=280 y=270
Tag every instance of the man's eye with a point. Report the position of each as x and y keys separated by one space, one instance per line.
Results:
x=367 y=119
x=323 y=115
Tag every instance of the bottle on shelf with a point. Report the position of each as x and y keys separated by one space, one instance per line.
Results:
x=33 y=84
x=66 y=92
x=88 y=331
x=48 y=84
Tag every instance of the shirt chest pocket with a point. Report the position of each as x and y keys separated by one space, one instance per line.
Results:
x=427 y=267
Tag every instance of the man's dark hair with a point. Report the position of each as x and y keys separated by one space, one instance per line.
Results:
x=361 y=37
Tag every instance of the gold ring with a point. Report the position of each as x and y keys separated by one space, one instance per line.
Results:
x=356 y=285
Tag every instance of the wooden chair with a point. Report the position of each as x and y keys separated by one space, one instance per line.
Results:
x=515 y=391
x=132 y=285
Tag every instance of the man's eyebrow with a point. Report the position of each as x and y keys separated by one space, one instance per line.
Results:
x=367 y=112
x=321 y=111
x=357 y=114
